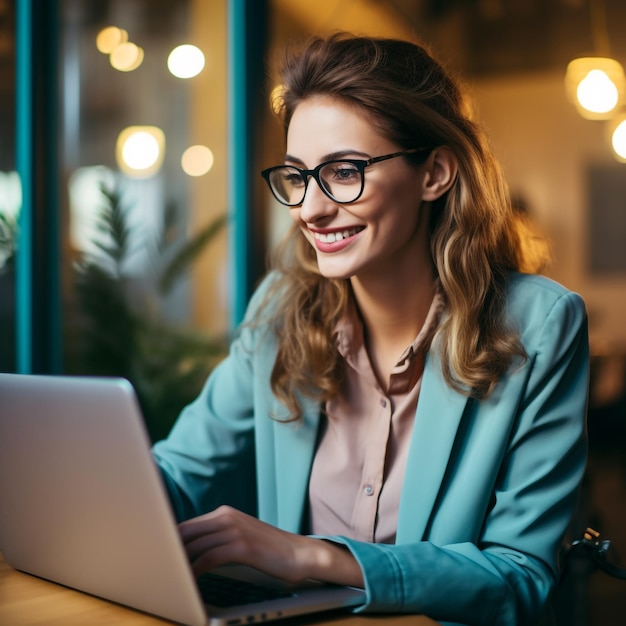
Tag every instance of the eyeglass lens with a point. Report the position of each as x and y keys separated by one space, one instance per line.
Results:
x=341 y=180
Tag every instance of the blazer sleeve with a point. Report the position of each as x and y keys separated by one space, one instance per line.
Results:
x=208 y=458
x=505 y=577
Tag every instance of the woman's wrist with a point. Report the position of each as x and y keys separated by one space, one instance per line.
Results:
x=331 y=562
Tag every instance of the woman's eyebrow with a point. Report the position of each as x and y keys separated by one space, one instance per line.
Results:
x=339 y=154
x=293 y=159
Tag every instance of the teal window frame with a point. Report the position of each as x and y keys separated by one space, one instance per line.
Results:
x=38 y=286
x=247 y=39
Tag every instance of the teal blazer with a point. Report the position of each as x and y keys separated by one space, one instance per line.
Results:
x=490 y=485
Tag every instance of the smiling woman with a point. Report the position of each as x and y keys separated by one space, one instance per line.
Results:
x=385 y=207
x=408 y=405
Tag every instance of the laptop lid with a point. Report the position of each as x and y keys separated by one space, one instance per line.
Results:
x=82 y=504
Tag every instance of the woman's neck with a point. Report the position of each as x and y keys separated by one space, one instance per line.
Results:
x=393 y=310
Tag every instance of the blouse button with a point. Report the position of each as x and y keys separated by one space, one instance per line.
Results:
x=368 y=490
x=383 y=403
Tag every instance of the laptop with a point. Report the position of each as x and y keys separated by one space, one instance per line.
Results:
x=82 y=504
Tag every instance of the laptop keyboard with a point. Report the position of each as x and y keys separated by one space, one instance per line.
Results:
x=223 y=592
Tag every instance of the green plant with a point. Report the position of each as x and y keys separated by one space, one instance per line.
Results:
x=8 y=241
x=116 y=328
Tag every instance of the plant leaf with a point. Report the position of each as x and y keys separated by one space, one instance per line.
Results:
x=189 y=253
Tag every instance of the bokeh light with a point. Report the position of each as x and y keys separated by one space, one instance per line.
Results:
x=197 y=160
x=126 y=57
x=185 y=61
x=140 y=150
x=618 y=140
x=110 y=38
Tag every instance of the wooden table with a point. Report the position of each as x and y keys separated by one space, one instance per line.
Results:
x=29 y=601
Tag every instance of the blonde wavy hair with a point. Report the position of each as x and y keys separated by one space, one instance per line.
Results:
x=412 y=100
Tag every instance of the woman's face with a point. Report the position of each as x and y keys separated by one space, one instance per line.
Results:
x=385 y=232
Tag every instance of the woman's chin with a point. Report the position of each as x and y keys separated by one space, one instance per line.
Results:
x=334 y=272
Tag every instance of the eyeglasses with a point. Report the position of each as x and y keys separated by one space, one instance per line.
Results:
x=342 y=180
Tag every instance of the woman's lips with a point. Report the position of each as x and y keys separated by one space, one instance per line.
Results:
x=333 y=241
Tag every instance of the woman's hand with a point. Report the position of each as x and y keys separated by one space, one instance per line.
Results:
x=227 y=535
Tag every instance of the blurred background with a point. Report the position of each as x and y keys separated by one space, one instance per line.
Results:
x=134 y=223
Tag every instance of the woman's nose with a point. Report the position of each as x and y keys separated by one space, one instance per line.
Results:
x=316 y=204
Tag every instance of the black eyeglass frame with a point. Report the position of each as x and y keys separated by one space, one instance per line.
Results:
x=306 y=175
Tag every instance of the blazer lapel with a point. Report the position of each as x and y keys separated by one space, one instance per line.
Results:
x=295 y=446
x=439 y=413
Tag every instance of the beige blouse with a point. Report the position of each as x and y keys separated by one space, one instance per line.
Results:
x=358 y=470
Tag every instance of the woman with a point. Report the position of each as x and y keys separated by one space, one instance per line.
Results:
x=401 y=410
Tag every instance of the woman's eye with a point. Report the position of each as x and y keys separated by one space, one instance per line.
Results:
x=345 y=173
x=293 y=179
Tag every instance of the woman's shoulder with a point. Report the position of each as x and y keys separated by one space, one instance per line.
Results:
x=521 y=287
x=533 y=299
x=265 y=296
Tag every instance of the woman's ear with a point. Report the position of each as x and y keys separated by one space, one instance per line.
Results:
x=441 y=170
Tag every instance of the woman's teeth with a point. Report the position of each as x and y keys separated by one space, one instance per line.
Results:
x=336 y=236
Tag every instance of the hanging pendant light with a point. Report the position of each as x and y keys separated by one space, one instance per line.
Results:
x=596 y=84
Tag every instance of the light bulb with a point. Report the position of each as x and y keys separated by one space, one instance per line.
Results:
x=618 y=140
x=595 y=85
x=597 y=92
